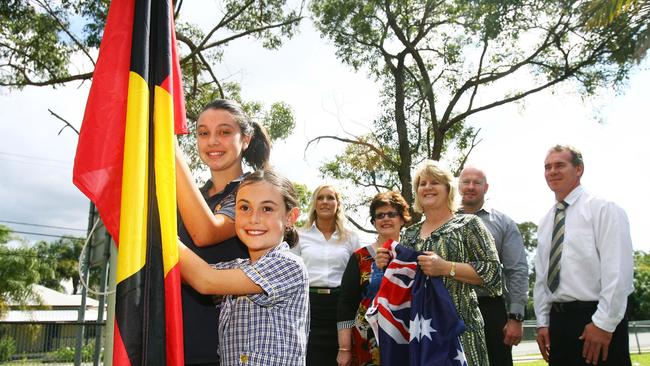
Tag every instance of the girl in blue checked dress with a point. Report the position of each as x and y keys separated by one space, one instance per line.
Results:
x=264 y=318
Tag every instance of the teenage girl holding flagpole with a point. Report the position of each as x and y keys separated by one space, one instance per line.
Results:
x=225 y=139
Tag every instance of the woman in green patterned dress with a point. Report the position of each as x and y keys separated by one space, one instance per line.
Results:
x=458 y=248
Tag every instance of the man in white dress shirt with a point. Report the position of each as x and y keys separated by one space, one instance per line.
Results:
x=584 y=268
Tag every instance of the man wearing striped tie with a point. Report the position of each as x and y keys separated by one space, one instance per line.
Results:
x=584 y=268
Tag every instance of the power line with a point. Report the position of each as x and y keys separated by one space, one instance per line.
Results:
x=41 y=234
x=39 y=225
x=35 y=163
x=34 y=157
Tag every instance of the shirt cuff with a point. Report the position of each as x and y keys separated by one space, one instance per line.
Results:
x=542 y=322
x=346 y=324
x=605 y=323
x=266 y=298
x=517 y=309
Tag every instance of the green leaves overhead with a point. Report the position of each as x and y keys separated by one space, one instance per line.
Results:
x=45 y=43
x=443 y=62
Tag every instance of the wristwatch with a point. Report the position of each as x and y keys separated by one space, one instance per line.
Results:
x=452 y=272
x=516 y=316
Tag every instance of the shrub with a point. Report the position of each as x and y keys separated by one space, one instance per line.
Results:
x=7 y=348
x=66 y=354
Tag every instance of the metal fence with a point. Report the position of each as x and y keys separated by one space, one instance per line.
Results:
x=56 y=343
x=52 y=343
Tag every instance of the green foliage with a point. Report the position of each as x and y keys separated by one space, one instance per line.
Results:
x=59 y=261
x=528 y=232
x=38 y=40
x=279 y=121
x=7 y=348
x=66 y=354
x=637 y=359
x=304 y=197
x=19 y=267
x=603 y=12
x=600 y=14
x=28 y=40
x=639 y=301
x=5 y=234
x=441 y=63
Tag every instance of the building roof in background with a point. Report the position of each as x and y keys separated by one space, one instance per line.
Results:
x=55 y=298
x=48 y=316
x=62 y=307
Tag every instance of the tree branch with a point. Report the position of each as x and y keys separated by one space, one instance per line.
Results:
x=372 y=147
x=66 y=30
x=222 y=23
x=205 y=63
x=250 y=31
x=359 y=227
x=67 y=124
x=474 y=143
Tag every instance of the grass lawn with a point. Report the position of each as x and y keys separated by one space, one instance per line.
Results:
x=637 y=360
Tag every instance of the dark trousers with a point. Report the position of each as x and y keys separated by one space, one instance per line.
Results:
x=495 y=318
x=566 y=324
x=323 y=344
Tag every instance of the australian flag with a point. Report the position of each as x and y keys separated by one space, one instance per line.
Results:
x=413 y=316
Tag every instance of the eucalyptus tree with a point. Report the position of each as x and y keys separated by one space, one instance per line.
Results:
x=442 y=62
x=55 y=43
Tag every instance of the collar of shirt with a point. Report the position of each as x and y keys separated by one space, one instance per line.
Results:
x=572 y=197
x=206 y=187
x=486 y=209
x=313 y=230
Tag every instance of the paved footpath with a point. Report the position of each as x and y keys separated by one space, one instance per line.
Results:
x=528 y=350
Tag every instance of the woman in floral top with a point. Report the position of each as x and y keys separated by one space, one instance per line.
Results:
x=357 y=344
x=458 y=248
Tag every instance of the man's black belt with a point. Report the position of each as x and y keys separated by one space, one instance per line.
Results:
x=564 y=307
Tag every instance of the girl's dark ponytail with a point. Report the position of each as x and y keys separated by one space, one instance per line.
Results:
x=259 y=149
x=291 y=236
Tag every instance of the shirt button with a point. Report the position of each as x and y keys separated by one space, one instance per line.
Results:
x=243 y=358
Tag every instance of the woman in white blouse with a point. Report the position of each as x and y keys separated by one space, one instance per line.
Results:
x=325 y=246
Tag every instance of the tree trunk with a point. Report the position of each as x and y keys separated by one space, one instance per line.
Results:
x=404 y=146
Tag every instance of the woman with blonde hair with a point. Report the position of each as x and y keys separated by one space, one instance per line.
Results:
x=325 y=246
x=456 y=247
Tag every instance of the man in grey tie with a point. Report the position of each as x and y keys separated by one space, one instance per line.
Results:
x=503 y=316
x=584 y=270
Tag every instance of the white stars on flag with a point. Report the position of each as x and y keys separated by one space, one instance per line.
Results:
x=460 y=357
x=420 y=327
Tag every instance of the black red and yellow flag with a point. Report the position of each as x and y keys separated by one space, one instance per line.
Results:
x=125 y=165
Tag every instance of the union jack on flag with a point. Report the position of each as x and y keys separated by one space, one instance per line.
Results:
x=413 y=316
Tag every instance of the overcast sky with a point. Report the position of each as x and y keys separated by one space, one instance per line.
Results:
x=612 y=130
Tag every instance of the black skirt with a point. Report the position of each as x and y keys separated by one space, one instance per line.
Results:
x=322 y=346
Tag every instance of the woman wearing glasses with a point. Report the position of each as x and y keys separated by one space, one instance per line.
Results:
x=389 y=212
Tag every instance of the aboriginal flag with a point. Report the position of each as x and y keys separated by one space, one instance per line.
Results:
x=125 y=165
